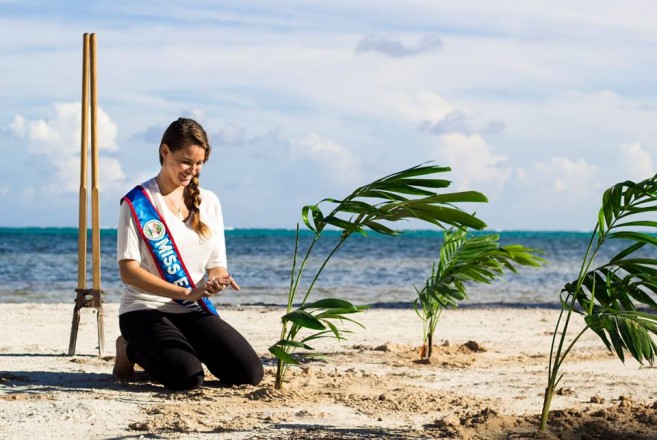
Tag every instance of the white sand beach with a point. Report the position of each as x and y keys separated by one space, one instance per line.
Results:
x=485 y=381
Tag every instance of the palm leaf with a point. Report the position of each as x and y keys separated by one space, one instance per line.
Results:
x=611 y=295
x=282 y=355
x=399 y=196
x=294 y=344
x=405 y=195
x=303 y=319
x=331 y=303
x=626 y=331
x=464 y=259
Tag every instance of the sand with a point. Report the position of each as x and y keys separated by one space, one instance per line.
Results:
x=485 y=381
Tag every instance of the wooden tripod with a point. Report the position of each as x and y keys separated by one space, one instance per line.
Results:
x=88 y=297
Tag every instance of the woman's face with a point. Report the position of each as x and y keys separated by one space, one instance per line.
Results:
x=181 y=165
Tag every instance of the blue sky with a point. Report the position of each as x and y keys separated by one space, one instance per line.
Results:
x=539 y=105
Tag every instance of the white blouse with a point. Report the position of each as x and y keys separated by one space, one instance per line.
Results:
x=199 y=254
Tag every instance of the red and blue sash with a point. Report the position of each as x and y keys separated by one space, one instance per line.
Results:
x=155 y=233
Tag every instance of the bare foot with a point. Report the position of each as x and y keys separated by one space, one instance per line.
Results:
x=124 y=368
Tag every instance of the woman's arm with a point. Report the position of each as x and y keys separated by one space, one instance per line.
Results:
x=217 y=263
x=133 y=274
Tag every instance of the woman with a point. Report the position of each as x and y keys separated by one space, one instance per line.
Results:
x=172 y=257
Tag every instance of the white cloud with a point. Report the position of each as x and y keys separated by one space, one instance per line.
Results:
x=419 y=106
x=57 y=140
x=635 y=162
x=111 y=174
x=395 y=48
x=341 y=164
x=229 y=135
x=473 y=164
x=565 y=182
x=535 y=66
x=196 y=114
x=457 y=122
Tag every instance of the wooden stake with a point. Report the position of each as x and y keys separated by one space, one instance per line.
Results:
x=82 y=217
x=88 y=297
x=95 y=195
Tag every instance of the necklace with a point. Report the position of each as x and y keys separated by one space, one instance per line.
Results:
x=179 y=209
x=180 y=214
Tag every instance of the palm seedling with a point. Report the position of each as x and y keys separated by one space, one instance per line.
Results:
x=616 y=298
x=464 y=259
x=408 y=194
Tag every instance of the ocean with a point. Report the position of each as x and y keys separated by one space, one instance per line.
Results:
x=40 y=265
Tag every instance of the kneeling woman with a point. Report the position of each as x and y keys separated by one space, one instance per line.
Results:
x=172 y=257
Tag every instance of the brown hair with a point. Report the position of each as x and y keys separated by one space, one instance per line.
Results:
x=181 y=133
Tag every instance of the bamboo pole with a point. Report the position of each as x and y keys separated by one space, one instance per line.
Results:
x=82 y=215
x=95 y=195
x=89 y=297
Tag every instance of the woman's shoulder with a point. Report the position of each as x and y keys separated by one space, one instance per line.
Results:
x=208 y=193
x=209 y=196
x=149 y=185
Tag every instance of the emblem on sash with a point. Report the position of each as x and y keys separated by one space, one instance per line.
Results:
x=154 y=230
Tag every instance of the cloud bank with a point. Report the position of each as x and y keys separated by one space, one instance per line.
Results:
x=56 y=141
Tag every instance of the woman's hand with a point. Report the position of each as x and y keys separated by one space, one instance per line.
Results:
x=212 y=287
x=223 y=277
x=219 y=284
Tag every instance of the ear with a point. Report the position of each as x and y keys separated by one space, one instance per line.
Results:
x=164 y=151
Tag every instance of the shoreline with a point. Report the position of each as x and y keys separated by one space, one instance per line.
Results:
x=392 y=305
x=485 y=381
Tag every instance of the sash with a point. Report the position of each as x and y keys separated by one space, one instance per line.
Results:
x=155 y=233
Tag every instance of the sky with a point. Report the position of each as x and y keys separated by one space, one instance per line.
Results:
x=539 y=105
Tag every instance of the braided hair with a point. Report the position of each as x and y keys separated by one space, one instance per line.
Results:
x=181 y=133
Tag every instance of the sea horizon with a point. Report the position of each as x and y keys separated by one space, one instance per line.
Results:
x=302 y=229
x=40 y=264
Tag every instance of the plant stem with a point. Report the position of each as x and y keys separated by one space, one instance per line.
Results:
x=298 y=276
x=547 y=402
x=292 y=291
x=570 y=346
x=321 y=268
x=433 y=322
x=552 y=382
x=281 y=366
x=556 y=359
x=280 y=374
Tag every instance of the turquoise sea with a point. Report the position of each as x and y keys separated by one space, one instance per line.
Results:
x=40 y=265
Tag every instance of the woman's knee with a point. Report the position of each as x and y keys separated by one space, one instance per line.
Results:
x=178 y=370
x=183 y=382
x=250 y=374
x=256 y=374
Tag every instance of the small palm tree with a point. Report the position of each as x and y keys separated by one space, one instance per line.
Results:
x=408 y=194
x=464 y=259
x=617 y=298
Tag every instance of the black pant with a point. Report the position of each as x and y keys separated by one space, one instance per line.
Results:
x=171 y=347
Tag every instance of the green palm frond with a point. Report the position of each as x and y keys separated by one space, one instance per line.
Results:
x=465 y=259
x=404 y=195
x=480 y=258
x=618 y=298
x=628 y=281
x=626 y=331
